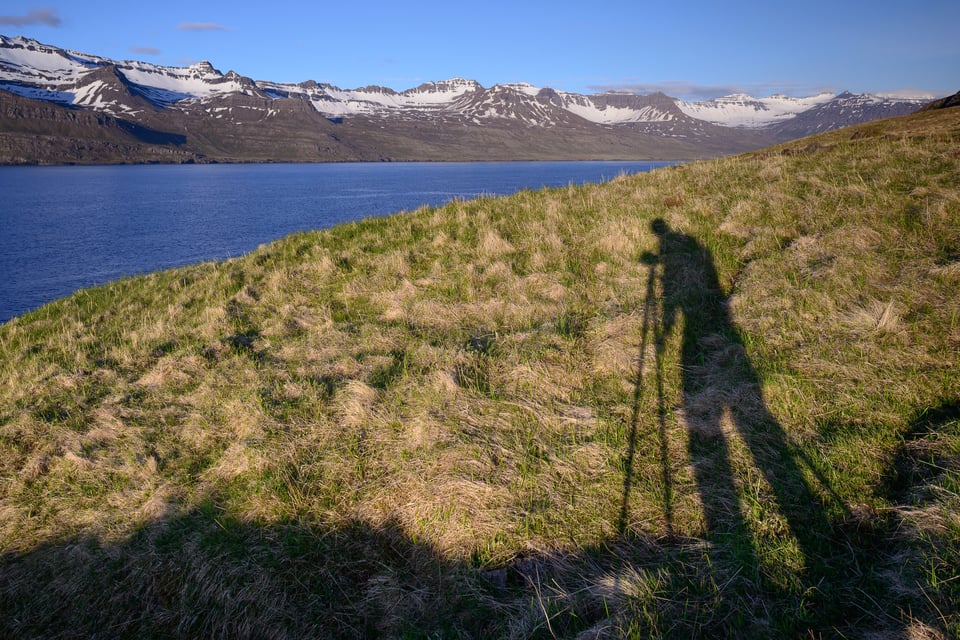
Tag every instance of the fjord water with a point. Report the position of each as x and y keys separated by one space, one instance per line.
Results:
x=66 y=228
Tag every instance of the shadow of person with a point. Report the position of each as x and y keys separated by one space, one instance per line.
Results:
x=208 y=573
x=721 y=395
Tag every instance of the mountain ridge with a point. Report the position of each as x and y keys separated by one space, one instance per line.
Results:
x=386 y=124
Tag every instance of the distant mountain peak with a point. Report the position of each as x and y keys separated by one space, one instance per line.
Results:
x=458 y=85
x=204 y=65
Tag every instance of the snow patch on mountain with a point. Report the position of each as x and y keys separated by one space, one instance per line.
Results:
x=439 y=93
x=741 y=110
x=200 y=80
x=26 y=60
x=334 y=101
x=522 y=87
x=589 y=110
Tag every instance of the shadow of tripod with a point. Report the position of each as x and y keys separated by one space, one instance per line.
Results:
x=649 y=318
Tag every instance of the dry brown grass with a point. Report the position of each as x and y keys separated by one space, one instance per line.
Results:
x=436 y=423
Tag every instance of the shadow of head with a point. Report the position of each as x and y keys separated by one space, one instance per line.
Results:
x=659 y=226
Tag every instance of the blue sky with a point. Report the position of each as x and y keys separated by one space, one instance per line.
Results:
x=694 y=50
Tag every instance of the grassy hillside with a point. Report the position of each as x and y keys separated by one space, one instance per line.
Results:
x=718 y=399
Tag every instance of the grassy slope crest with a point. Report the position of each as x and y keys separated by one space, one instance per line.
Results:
x=718 y=399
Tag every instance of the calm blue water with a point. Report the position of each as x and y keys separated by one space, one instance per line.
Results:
x=65 y=228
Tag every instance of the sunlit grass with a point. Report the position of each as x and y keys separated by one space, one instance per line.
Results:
x=435 y=424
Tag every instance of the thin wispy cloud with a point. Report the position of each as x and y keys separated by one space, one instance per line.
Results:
x=44 y=16
x=692 y=91
x=146 y=51
x=201 y=26
x=908 y=93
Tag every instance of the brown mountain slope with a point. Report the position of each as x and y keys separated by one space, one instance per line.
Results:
x=38 y=132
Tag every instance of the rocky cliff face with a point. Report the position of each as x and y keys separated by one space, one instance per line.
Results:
x=38 y=132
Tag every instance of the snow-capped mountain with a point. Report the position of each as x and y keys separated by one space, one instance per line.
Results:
x=741 y=110
x=40 y=71
x=336 y=102
x=157 y=95
x=618 y=108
